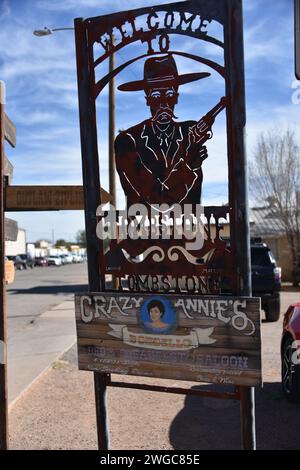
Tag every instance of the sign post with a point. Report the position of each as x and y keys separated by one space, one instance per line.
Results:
x=3 y=330
x=240 y=233
x=167 y=316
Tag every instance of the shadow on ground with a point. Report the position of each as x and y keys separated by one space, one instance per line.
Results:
x=206 y=423
x=52 y=289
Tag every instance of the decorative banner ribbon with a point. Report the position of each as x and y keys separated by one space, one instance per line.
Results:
x=196 y=337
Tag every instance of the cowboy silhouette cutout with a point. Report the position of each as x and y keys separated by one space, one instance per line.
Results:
x=159 y=160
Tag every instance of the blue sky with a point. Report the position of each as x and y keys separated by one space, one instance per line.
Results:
x=41 y=94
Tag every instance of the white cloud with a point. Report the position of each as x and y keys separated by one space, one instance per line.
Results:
x=35 y=117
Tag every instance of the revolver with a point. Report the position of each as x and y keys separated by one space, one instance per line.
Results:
x=201 y=131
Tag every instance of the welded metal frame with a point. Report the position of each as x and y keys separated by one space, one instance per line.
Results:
x=229 y=14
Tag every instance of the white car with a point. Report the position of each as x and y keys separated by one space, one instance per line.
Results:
x=67 y=258
x=54 y=260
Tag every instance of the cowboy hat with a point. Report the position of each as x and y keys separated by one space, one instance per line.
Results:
x=161 y=71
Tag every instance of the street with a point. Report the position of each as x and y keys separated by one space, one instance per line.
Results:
x=35 y=291
x=41 y=322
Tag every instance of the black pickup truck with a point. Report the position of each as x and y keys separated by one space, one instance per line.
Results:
x=266 y=279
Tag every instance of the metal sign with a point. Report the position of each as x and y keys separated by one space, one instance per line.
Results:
x=46 y=198
x=164 y=242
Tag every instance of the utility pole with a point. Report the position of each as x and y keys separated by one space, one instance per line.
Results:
x=111 y=139
x=111 y=131
x=3 y=326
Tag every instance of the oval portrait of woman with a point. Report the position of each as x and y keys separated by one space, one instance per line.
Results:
x=157 y=315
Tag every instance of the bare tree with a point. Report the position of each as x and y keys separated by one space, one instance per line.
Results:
x=275 y=179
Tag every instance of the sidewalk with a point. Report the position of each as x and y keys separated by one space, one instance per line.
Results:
x=32 y=350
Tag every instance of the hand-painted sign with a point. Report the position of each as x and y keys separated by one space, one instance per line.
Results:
x=200 y=338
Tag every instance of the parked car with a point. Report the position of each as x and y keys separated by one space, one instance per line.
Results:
x=77 y=258
x=54 y=260
x=67 y=258
x=290 y=353
x=28 y=260
x=266 y=279
x=41 y=261
x=19 y=263
x=63 y=260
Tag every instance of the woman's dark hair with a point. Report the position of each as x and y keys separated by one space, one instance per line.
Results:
x=158 y=304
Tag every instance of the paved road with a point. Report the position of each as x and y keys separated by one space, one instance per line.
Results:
x=37 y=290
x=41 y=321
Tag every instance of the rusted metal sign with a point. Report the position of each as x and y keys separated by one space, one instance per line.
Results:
x=215 y=339
x=166 y=242
x=46 y=198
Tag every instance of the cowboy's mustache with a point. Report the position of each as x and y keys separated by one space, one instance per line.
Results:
x=168 y=111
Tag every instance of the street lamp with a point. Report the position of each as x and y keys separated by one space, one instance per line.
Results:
x=47 y=31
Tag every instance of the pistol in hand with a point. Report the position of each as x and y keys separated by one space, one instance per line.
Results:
x=201 y=132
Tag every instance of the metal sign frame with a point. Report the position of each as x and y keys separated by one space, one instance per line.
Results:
x=229 y=14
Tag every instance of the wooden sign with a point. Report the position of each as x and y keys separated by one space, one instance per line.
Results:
x=9 y=271
x=10 y=131
x=197 y=338
x=46 y=198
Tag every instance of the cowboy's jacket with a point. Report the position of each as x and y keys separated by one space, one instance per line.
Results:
x=156 y=167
